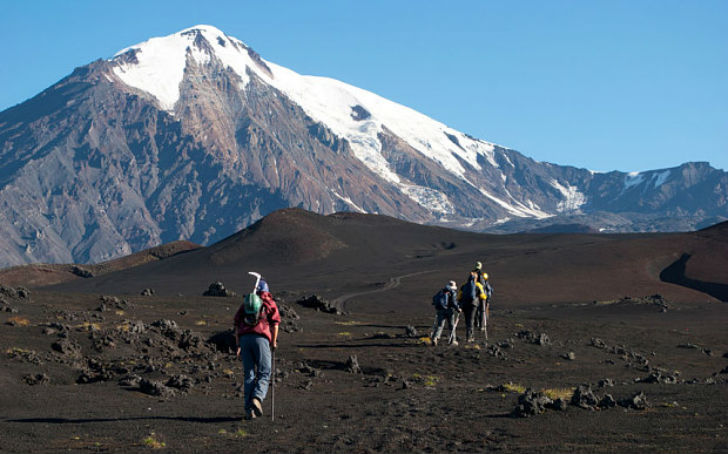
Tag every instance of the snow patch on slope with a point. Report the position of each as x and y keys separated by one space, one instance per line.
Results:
x=573 y=199
x=429 y=198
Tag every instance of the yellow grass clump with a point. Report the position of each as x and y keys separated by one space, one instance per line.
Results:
x=152 y=442
x=514 y=387
x=18 y=321
x=559 y=393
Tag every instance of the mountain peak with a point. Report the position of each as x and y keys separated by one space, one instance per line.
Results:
x=157 y=66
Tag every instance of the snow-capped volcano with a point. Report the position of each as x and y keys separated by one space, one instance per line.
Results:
x=194 y=136
x=158 y=66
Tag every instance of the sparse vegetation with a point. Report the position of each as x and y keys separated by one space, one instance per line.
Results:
x=18 y=321
x=151 y=442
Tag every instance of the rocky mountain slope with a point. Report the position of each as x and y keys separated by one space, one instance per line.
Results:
x=195 y=136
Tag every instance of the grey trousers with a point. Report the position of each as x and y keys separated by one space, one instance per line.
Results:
x=443 y=316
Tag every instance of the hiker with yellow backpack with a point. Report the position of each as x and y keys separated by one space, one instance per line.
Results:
x=483 y=311
x=470 y=297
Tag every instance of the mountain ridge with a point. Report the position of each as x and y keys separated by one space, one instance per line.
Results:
x=94 y=168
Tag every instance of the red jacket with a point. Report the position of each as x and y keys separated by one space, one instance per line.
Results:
x=269 y=317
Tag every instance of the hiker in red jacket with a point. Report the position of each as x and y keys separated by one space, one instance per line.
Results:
x=256 y=333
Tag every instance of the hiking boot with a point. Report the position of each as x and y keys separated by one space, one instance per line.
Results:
x=249 y=415
x=256 y=407
x=454 y=343
x=434 y=342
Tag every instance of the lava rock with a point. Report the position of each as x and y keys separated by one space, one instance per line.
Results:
x=81 y=272
x=318 y=303
x=155 y=388
x=658 y=376
x=531 y=403
x=37 y=379
x=538 y=339
x=410 y=331
x=559 y=404
x=603 y=383
x=352 y=365
x=584 y=397
x=131 y=380
x=67 y=347
x=607 y=402
x=218 y=289
x=181 y=382
x=598 y=343
x=637 y=402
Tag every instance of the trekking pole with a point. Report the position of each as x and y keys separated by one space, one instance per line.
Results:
x=454 y=326
x=273 y=386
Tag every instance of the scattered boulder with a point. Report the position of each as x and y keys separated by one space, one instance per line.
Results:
x=533 y=338
x=658 y=376
x=352 y=365
x=318 y=303
x=218 y=289
x=181 y=382
x=289 y=318
x=67 y=347
x=20 y=293
x=131 y=380
x=147 y=292
x=495 y=351
x=637 y=402
x=559 y=404
x=603 y=383
x=531 y=403
x=607 y=402
x=571 y=356
x=584 y=397
x=155 y=388
x=410 y=331
x=598 y=343
x=81 y=272
x=37 y=379
x=165 y=325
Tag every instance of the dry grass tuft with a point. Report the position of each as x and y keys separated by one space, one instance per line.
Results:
x=559 y=393
x=514 y=388
x=18 y=321
x=152 y=442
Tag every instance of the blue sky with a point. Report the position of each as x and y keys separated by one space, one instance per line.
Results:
x=604 y=85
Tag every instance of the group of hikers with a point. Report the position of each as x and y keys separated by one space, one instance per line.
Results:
x=472 y=300
x=256 y=329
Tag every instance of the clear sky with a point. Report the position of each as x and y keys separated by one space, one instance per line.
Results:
x=605 y=85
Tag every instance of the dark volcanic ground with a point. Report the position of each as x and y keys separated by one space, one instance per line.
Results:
x=121 y=372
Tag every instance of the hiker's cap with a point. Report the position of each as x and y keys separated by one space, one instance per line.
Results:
x=478 y=266
x=262 y=286
x=452 y=284
x=485 y=276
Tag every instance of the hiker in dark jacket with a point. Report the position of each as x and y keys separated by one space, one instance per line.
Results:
x=470 y=296
x=255 y=335
x=446 y=305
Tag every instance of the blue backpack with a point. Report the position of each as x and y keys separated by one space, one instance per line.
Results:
x=440 y=300
x=469 y=291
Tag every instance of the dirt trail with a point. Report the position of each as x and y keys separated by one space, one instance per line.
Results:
x=393 y=283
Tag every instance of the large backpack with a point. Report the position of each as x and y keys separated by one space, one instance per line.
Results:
x=252 y=309
x=469 y=291
x=440 y=300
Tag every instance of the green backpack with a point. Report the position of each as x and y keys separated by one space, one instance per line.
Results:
x=252 y=309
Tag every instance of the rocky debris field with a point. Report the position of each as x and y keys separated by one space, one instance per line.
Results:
x=119 y=373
